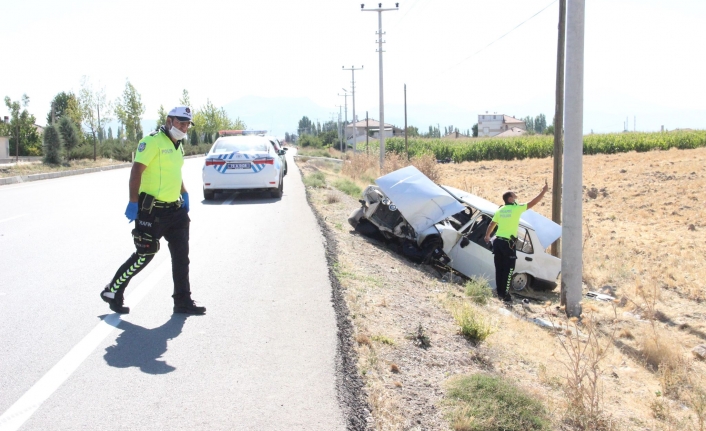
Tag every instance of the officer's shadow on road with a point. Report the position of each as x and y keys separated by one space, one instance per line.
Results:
x=142 y=347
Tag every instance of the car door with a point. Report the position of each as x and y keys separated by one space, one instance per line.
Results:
x=475 y=259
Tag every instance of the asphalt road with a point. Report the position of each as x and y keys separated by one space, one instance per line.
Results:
x=262 y=358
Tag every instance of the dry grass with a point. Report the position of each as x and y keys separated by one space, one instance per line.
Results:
x=40 y=168
x=365 y=168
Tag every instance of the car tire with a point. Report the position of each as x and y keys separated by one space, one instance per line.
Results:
x=279 y=191
x=208 y=195
x=520 y=281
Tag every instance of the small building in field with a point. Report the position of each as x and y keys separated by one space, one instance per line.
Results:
x=374 y=127
x=512 y=132
x=494 y=124
x=455 y=135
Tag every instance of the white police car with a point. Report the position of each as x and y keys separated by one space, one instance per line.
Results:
x=242 y=163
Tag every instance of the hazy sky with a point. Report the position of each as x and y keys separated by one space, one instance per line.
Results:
x=644 y=58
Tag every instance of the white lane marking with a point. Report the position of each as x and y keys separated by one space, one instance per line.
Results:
x=12 y=218
x=25 y=407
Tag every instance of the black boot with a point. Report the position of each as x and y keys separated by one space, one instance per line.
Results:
x=186 y=305
x=115 y=301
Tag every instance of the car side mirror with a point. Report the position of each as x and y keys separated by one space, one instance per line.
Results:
x=285 y=149
x=280 y=152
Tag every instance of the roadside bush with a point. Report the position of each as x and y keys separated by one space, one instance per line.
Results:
x=199 y=149
x=315 y=180
x=84 y=151
x=478 y=289
x=52 y=145
x=348 y=187
x=471 y=325
x=310 y=141
x=69 y=133
x=483 y=402
x=116 y=150
x=314 y=152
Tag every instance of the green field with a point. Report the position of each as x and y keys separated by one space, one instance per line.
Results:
x=540 y=146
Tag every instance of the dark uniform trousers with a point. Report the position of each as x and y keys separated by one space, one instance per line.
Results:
x=172 y=223
x=505 y=258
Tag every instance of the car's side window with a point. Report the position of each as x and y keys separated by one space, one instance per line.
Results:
x=476 y=233
x=524 y=242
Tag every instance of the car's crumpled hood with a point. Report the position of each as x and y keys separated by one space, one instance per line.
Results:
x=420 y=201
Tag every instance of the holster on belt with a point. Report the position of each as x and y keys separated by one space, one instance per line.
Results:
x=146 y=202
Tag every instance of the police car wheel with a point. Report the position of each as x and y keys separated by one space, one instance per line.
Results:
x=208 y=194
x=520 y=282
x=277 y=193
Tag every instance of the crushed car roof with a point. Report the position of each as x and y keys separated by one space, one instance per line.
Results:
x=422 y=202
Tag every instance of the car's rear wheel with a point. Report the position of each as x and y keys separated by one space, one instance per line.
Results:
x=208 y=194
x=277 y=193
x=520 y=281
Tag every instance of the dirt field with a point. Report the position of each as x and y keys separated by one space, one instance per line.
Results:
x=643 y=227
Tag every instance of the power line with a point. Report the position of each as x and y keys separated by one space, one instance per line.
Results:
x=408 y=11
x=491 y=43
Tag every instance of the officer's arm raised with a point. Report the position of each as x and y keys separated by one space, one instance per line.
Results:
x=539 y=197
x=135 y=180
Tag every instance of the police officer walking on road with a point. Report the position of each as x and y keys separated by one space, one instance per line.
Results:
x=507 y=219
x=158 y=204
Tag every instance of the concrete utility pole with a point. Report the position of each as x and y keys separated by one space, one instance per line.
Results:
x=340 y=133
x=559 y=124
x=345 y=103
x=355 y=129
x=380 y=10
x=572 y=230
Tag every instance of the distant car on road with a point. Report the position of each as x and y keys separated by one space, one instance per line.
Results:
x=448 y=225
x=243 y=162
x=277 y=145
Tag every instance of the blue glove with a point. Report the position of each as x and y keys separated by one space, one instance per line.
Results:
x=131 y=211
x=185 y=198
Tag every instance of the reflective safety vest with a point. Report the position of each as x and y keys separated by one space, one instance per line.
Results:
x=162 y=178
x=508 y=219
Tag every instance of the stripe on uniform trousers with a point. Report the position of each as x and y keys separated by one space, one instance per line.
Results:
x=509 y=280
x=127 y=274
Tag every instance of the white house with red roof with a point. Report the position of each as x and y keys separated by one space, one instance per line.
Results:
x=496 y=124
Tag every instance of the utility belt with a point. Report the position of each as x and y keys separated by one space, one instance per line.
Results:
x=147 y=202
x=512 y=241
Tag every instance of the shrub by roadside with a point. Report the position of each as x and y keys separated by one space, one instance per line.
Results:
x=483 y=402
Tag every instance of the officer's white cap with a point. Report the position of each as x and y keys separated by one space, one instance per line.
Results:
x=183 y=113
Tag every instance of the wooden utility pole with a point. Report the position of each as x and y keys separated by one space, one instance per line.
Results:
x=406 y=149
x=559 y=125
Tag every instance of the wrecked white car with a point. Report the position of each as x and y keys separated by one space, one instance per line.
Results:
x=447 y=225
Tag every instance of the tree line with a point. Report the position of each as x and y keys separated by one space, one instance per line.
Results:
x=76 y=124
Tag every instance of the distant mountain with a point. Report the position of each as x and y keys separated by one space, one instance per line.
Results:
x=276 y=114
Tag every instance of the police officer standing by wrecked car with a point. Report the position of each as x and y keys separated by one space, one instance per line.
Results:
x=158 y=204
x=507 y=219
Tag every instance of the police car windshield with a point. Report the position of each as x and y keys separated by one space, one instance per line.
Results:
x=241 y=143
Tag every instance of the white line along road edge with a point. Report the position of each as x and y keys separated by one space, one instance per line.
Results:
x=12 y=218
x=25 y=407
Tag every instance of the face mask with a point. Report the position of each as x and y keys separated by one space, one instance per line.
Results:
x=176 y=133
